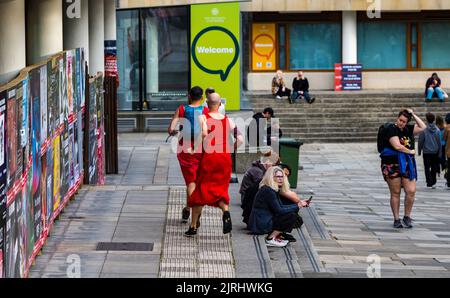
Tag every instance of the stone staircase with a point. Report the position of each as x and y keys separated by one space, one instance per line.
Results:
x=345 y=116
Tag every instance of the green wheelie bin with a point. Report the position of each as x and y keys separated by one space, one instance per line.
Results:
x=290 y=155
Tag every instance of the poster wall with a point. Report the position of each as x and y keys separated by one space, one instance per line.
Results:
x=41 y=154
x=3 y=181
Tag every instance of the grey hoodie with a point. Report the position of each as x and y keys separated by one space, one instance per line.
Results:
x=430 y=141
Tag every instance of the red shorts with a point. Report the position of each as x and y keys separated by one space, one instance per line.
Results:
x=189 y=164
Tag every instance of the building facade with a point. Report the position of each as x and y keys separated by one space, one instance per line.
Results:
x=399 y=44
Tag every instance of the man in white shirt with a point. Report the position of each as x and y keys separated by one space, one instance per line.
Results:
x=208 y=93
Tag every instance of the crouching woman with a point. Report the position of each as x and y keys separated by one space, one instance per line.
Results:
x=269 y=215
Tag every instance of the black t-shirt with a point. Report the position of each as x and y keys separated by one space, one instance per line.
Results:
x=406 y=137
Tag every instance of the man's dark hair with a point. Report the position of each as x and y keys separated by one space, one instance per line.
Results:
x=196 y=93
x=430 y=118
x=447 y=118
x=405 y=113
x=439 y=121
x=270 y=111
x=209 y=91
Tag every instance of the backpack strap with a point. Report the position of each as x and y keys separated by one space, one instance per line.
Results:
x=182 y=111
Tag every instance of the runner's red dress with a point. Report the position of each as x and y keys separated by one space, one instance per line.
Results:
x=215 y=167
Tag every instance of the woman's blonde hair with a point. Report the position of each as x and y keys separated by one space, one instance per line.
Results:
x=268 y=180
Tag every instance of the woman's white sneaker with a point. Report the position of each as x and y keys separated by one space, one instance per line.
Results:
x=275 y=242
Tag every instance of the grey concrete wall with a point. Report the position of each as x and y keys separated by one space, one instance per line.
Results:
x=12 y=38
x=44 y=29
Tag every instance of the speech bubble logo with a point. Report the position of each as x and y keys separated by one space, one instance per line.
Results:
x=264 y=45
x=211 y=49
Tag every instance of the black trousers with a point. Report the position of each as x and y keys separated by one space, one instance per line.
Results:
x=287 y=92
x=431 y=163
x=284 y=223
x=443 y=160
x=448 y=171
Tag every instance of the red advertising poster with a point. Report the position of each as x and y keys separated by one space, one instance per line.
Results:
x=338 y=77
x=111 y=60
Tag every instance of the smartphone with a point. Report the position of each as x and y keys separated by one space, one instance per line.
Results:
x=309 y=200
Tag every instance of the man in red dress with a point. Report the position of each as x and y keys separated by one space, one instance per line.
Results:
x=214 y=173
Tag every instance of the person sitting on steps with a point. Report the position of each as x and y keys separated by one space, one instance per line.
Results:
x=279 y=88
x=433 y=88
x=269 y=216
x=300 y=87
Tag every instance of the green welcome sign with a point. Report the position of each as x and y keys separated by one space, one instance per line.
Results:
x=216 y=51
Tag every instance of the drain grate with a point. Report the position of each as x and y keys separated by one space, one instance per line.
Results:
x=114 y=246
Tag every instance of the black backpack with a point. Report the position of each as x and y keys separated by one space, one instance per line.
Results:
x=382 y=140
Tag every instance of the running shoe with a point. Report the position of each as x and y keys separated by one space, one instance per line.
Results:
x=287 y=237
x=276 y=242
x=407 y=222
x=227 y=225
x=398 y=224
x=186 y=214
x=191 y=232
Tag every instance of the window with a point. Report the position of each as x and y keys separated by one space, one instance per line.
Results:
x=414 y=47
x=435 y=45
x=128 y=59
x=314 y=46
x=382 y=45
x=153 y=58
x=282 y=46
x=166 y=52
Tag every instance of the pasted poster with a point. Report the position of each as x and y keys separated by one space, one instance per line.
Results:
x=49 y=184
x=20 y=131
x=56 y=173
x=84 y=77
x=11 y=243
x=79 y=75
x=70 y=91
x=25 y=116
x=16 y=238
x=3 y=198
x=65 y=163
x=79 y=141
x=43 y=183
x=71 y=156
x=75 y=94
x=62 y=102
x=111 y=60
x=93 y=146
x=36 y=159
x=51 y=95
x=76 y=160
x=11 y=136
x=43 y=104
x=28 y=219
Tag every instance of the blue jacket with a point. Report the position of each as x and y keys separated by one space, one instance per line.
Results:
x=266 y=205
x=404 y=160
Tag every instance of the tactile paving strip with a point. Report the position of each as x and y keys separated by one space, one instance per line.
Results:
x=208 y=255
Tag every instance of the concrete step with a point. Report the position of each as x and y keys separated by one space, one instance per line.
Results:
x=336 y=117
x=342 y=129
